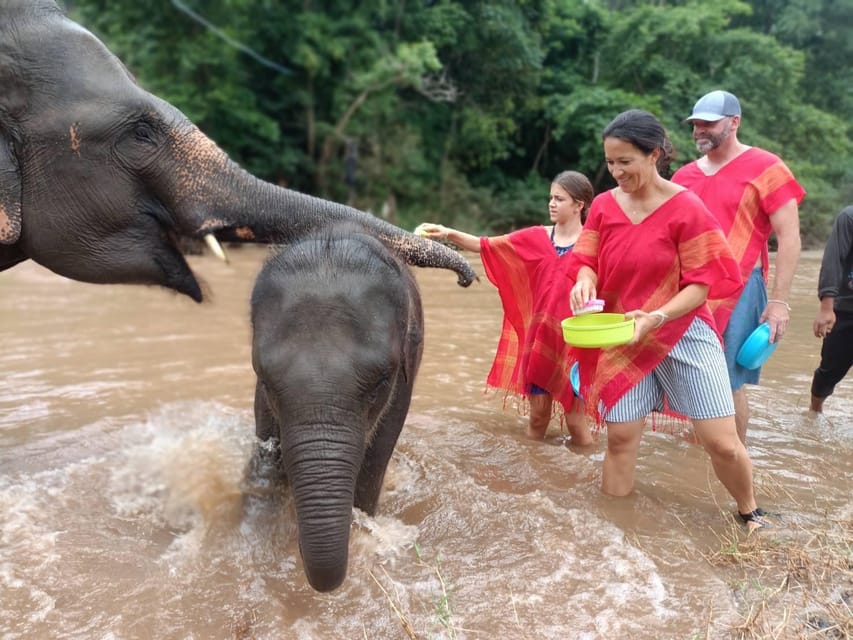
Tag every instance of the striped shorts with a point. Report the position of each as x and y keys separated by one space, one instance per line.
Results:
x=693 y=377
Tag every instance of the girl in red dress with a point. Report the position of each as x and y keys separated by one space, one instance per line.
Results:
x=528 y=267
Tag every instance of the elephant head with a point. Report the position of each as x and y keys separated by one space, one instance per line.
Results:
x=99 y=179
x=337 y=340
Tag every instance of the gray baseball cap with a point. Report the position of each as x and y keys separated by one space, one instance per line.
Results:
x=715 y=106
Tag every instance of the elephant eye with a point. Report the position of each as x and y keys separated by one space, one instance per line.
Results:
x=144 y=132
x=381 y=387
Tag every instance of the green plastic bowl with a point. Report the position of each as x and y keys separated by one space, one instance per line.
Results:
x=597 y=330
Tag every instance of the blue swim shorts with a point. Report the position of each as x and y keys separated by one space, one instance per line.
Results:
x=745 y=318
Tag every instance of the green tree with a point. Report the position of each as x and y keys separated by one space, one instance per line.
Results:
x=823 y=31
x=188 y=65
x=463 y=110
x=676 y=53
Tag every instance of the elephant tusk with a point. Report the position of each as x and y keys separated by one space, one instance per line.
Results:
x=213 y=245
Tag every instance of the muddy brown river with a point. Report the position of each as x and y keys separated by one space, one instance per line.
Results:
x=126 y=423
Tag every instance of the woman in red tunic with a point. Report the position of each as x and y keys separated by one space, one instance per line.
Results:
x=653 y=251
x=528 y=267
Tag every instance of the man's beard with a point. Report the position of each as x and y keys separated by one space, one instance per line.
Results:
x=711 y=141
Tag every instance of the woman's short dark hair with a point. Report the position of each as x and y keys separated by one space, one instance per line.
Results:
x=644 y=131
x=579 y=187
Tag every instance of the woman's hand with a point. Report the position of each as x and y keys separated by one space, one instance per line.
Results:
x=439 y=232
x=432 y=231
x=683 y=302
x=581 y=293
x=584 y=288
x=645 y=322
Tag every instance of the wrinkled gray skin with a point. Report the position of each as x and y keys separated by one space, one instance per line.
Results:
x=337 y=340
x=100 y=179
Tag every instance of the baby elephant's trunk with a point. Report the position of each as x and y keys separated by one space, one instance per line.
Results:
x=322 y=469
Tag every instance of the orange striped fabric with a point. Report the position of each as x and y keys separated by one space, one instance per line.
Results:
x=534 y=290
x=743 y=195
x=642 y=266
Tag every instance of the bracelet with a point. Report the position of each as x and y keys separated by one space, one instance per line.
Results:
x=661 y=314
x=787 y=306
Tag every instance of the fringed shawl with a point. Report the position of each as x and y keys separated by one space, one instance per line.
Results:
x=743 y=195
x=642 y=266
x=534 y=291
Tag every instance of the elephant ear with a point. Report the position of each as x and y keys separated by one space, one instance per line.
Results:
x=10 y=193
x=415 y=333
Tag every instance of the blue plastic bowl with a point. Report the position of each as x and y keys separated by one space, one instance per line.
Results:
x=756 y=348
x=575 y=377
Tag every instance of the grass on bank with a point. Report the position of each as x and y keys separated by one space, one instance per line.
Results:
x=793 y=581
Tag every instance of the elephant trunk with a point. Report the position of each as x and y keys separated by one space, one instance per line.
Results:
x=235 y=205
x=284 y=214
x=322 y=462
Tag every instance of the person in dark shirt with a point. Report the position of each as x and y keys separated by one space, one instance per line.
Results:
x=834 y=320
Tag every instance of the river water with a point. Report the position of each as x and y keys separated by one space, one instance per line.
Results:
x=126 y=424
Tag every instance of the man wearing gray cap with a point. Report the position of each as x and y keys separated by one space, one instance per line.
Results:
x=753 y=194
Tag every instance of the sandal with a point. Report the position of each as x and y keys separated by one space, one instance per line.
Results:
x=756 y=518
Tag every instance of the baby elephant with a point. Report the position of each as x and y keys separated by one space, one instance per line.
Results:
x=337 y=340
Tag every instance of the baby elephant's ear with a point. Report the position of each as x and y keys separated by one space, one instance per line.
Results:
x=10 y=193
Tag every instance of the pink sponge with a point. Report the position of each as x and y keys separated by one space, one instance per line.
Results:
x=595 y=305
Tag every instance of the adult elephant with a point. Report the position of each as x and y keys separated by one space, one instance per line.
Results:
x=337 y=337
x=100 y=180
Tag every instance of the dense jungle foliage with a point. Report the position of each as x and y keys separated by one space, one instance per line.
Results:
x=461 y=111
